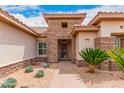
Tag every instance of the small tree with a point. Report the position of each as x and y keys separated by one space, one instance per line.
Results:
x=93 y=57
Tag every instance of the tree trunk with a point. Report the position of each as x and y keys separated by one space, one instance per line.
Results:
x=91 y=68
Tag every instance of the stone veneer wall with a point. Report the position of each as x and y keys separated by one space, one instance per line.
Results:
x=106 y=65
x=6 y=70
x=81 y=63
x=56 y=32
x=73 y=49
x=52 y=50
x=105 y=43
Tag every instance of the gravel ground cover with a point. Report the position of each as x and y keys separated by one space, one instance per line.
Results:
x=101 y=79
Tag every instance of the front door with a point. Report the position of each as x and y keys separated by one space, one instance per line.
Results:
x=63 y=50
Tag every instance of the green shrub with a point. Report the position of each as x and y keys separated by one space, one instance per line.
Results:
x=29 y=69
x=45 y=65
x=9 y=83
x=39 y=74
x=24 y=87
x=93 y=56
x=118 y=56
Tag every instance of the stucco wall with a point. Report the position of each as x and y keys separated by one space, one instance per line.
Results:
x=107 y=27
x=81 y=42
x=15 y=45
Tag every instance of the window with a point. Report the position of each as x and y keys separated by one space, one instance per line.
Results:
x=64 y=24
x=117 y=42
x=42 y=48
x=87 y=40
x=121 y=27
x=98 y=26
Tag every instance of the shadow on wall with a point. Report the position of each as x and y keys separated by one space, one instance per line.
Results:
x=15 y=45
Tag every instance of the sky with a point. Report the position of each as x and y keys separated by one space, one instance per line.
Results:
x=31 y=15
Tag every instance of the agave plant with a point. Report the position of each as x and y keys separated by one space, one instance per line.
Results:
x=118 y=56
x=93 y=57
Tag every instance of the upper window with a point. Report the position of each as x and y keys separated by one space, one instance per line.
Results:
x=87 y=40
x=64 y=24
x=42 y=48
x=121 y=27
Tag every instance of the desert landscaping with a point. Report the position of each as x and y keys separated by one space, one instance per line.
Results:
x=101 y=79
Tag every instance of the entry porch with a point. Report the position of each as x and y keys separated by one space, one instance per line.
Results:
x=64 y=49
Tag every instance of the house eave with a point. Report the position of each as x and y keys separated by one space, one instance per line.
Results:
x=106 y=16
x=78 y=29
x=9 y=19
x=117 y=34
x=80 y=16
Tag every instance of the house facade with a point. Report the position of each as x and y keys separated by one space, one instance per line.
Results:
x=62 y=40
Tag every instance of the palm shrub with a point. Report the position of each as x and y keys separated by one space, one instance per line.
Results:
x=93 y=56
x=29 y=69
x=9 y=83
x=118 y=56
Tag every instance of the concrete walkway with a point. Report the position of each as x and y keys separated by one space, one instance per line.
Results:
x=66 y=77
